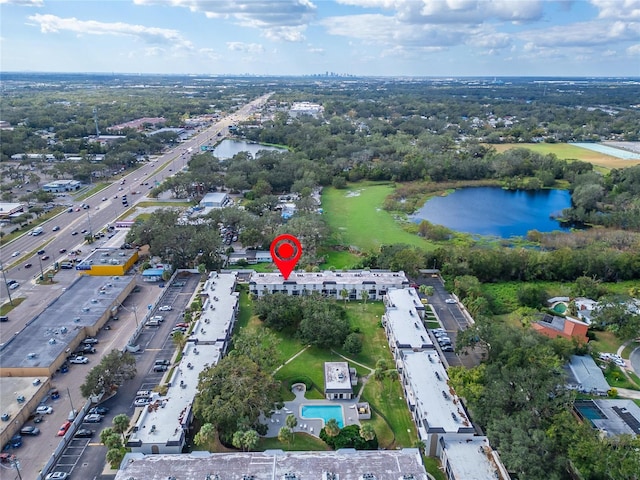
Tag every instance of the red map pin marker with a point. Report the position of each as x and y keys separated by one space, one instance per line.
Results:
x=285 y=252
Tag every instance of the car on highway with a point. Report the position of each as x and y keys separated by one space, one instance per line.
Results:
x=104 y=199
x=40 y=252
x=74 y=233
x=62 y=250
x=55 y=229
x=15 y=254
x=29 y=430
x=63 y=428
x=450 y=300
x=44 y=409
x=165 y=308
x=84 y=433
x=45 y=257
x=57 y=476
x=28 y=265
x=84 y=230
x=79 y=360
x=93 y=418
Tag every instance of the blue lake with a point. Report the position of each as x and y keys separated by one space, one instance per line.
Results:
x=492 y=211
x=228 y=148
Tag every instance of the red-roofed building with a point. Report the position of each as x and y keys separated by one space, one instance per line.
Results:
x=569 y=328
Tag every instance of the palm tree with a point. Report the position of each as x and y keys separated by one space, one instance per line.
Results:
x=367 y=432
x=332 y=428
x=250 y=440
x=285 y=435
x=115 y=456
x=291 y=421
x=344 y=293
x=121 y=424
x=205 y=435
x=365 y=296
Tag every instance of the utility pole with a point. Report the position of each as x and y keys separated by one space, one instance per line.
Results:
x=4 y=276
x=70 y=401
x=15 y=463
x=41 y=270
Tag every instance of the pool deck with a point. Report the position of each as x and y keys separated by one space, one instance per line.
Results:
x=306 y=425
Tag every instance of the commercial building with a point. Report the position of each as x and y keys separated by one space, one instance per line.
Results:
x=215 y=200
x=330 y=284
x=8 y=209
x=345 y=464
x=108 y=262
x=58 y=186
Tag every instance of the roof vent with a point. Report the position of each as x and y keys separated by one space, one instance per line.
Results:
x=52 y=341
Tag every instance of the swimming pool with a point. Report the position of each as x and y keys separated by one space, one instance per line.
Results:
x=325 y=412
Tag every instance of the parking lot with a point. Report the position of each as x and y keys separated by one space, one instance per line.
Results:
x=85 y=458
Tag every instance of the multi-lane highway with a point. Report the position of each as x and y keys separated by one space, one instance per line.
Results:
x=102 y=212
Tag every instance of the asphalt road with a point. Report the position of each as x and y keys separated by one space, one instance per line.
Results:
x=452 y=320
x=101 y=213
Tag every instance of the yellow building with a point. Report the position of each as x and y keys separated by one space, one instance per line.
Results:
x=108 y=262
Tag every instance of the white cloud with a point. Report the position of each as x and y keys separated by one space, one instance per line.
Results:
x=583 y=34
x=315 y=50
x=253 y=48
x=54 y=24
x=634 y=50
x=456 y=11
x=278 y=19
x=23 y=3
x=618 y=9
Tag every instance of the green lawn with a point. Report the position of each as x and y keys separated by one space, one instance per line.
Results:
x=302 y=442
x=570 y=152
x=606 y=342
x=7 y=307
x=356 y=217
x=340 y=260
x=366 y=319
x=432 y=465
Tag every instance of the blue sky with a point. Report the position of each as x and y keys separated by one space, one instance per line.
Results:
x=300 y=37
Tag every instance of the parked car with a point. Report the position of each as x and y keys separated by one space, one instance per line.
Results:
x=57 y=476
x=84 y=433
x=163 y=362
x=29 y=430
x=450 y=300
x=141 y=402
x=79 y=360
x=90 y=341
x=447 y=348
x=63 y=428
x=165 y=308
x=45 y=409
x=99 y=410
x=160 y=368
x=93 y=418
x=182 y=325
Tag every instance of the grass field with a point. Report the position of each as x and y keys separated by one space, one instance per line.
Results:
x=356 y=217
x=565 y=151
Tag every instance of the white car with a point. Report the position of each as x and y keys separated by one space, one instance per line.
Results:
x=79 y=359
x=15 y=254
x=141 y=402
x=57 y=476
x=450 y=300
x=165 y=308
x=13 y=286
x=44 y=409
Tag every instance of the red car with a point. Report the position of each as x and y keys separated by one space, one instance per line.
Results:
x=63 y=428
x=182 y=325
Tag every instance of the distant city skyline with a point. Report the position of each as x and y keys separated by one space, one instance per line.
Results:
x=555 y=38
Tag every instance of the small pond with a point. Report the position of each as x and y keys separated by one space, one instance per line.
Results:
x=228 y=148
x=493 y=211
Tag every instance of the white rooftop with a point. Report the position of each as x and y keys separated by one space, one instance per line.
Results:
x=347 y=464
x=218 y=310
x=351 y=277
x=164 y=425
x=470 y=457
x=337 y=377
x=438 y=407
x=404 y=322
